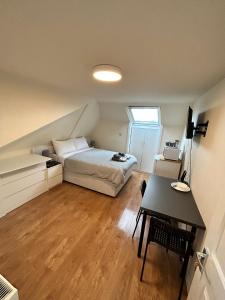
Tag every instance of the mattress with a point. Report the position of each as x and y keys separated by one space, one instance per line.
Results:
x=98 y=163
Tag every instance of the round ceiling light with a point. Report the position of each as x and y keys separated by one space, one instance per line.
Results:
x=107 y=73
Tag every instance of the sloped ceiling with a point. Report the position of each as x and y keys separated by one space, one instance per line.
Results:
x=169 y=51
x=26 y=107
x=80 y=122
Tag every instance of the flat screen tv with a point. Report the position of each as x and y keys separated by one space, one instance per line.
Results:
x=190 y=124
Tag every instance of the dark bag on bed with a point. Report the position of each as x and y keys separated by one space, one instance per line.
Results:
x=119 y=157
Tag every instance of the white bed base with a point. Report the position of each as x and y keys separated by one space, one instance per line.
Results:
x=99 y=185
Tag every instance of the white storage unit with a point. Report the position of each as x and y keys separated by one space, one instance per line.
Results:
x=171 y=153
x=168 y=168
x=22 y=178
x=55 y=176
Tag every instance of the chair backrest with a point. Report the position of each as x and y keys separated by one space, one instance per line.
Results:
x=143 y=187
x=170 y=237
x=182 y=177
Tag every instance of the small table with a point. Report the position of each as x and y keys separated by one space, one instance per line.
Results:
x=55 y=173
x=162 y=200
x=167 y=168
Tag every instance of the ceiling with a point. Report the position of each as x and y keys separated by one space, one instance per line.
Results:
x=169 y=51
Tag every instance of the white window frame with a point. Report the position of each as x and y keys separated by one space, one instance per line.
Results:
x=144 y=123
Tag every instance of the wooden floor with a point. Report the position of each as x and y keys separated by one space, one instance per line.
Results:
x=73 y=243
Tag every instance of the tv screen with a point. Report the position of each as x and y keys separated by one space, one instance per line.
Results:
x=190 y=124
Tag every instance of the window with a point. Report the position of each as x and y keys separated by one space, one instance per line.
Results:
x=144 y=115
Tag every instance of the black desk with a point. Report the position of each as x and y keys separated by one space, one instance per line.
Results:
x=162 y=200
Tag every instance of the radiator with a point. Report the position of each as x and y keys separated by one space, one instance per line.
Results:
x=7 y=291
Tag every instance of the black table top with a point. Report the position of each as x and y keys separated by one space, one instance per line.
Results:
x=163 y=200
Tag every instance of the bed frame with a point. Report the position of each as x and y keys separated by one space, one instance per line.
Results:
x=99 y=185
x=90 y=182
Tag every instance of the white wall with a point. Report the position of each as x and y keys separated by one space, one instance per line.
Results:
x=112 y=129
x=208 y=154
x=111 y=135
x=86 y=120
x=208 y=158
x=27 y=106
x=78 y=123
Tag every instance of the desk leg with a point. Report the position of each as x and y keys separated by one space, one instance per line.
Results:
x=193 y=229
x=185 y=264
x=142 y=234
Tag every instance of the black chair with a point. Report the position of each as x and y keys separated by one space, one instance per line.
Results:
x=172 y=238
x=140 y=212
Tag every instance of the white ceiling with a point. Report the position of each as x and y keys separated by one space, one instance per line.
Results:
x=168 y=50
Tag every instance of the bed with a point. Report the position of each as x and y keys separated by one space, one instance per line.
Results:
x=94 y=169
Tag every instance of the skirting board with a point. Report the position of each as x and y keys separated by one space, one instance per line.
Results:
x=95 y=184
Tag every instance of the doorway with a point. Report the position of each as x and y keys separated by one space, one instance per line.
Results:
x=144 y=136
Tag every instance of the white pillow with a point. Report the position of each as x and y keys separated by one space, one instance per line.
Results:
x=62 y=147
x=80 y=143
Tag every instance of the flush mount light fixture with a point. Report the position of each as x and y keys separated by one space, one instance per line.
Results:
x=107 y=73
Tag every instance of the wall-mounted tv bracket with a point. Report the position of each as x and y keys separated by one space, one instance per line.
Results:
x=201 y=128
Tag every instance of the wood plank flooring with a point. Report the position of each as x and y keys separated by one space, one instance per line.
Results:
x=75 y=244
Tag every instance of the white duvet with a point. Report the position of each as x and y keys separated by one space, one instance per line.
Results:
x=98 y=163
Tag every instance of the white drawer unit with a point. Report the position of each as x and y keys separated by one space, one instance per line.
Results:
x=22 y=178
x=55 y=176
x=16 y=175
x=54 y=181
x=168 y=168
x=22 y=183
x=23 y=196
